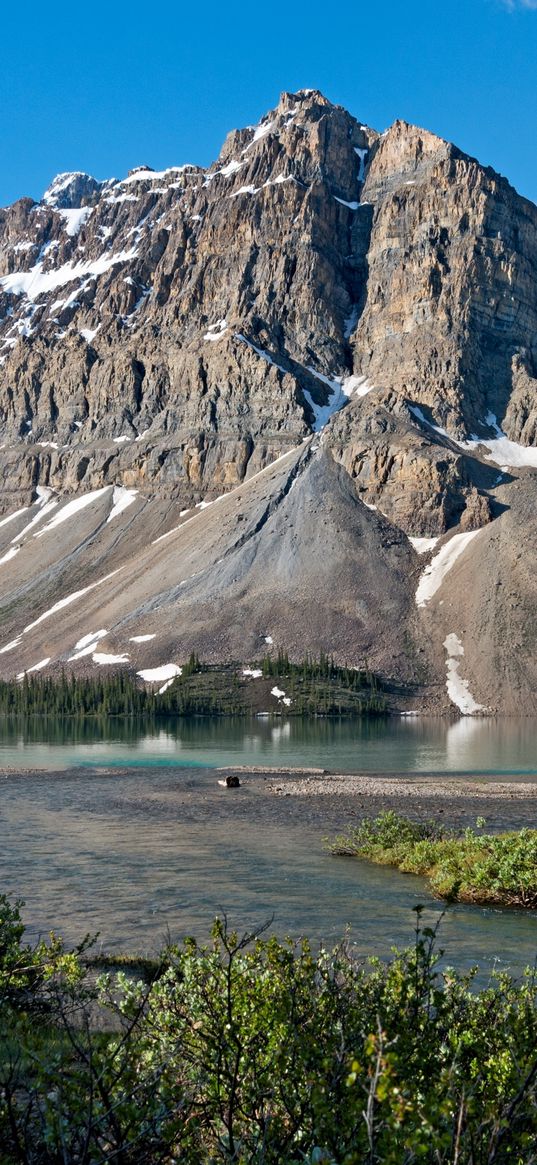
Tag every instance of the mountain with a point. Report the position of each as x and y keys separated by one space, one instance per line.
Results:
x=289 y=397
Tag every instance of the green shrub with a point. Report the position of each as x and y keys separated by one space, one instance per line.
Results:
x=470 y=867
x=259 y=1052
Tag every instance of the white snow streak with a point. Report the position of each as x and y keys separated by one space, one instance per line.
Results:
x=362 y=154
x=254 y=672
x=508 y=454
x=10 y=554
x=501 y=450
x=66 y=602
x=11 y=646
x=458 y=688
x=36 y=282
x=36 y=667
x=141 y=638
x=144 y=175
x=435 y=573
x=260 y=132
x=71 y=509
x=423 y=545
x=121 y=498
x=231 y=168
x=90 y=638
x=341 y=387
x=101 y=658
x=11 y=517
x=45 y=508
x=168 y=671
x=280 y=696
x=245 y=190
x=216 y=331
x=87 y=645
x=75 y=219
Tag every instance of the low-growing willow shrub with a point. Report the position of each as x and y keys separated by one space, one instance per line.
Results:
x=251 y=1050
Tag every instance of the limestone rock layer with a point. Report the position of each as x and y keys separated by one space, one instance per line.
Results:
x=371 y=296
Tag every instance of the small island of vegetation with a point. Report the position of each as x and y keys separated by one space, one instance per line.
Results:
x=491 y=869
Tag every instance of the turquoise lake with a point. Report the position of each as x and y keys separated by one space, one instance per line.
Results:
x=155 y=847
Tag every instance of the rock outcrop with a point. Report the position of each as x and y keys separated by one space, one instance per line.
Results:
x=174 y=333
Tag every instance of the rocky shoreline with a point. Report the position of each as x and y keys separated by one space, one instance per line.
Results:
x=321 y=799
x=506 y=802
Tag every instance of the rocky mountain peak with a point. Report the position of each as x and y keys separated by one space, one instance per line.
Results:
x=71 y=191
x=363 y=307
x=220 y=314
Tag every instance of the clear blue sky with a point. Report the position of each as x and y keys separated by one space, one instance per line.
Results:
x=103 y=87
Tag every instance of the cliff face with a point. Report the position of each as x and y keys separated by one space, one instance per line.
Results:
x=174 y=333
x=138 y=309
x=178 y=329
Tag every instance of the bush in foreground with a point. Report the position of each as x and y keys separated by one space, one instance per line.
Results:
x=250 y=1050
x=496 y=869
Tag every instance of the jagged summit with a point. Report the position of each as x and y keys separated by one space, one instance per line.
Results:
x=172 y=333
x=71 y=191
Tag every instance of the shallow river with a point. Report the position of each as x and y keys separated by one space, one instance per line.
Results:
x=158 y=847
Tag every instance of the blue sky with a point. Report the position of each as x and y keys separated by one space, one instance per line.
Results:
x=103 y=87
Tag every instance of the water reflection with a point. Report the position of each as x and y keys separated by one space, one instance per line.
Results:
x=409 y=744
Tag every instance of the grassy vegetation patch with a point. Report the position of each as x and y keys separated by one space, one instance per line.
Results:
x=495 y=869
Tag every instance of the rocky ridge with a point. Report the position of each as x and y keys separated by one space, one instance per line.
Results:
x=167 y=336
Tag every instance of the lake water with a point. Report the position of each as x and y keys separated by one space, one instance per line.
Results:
x=159 y=848
x=398 y=744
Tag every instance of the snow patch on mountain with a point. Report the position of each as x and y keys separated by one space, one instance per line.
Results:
x=458 y=688
x=16 y=514
x=167 y=671
x=500 y=449
x=61 y=184
x=71 y=508
x=101 y=657
x=37 y=282
x=422 y=545
x=75 y=219
x=508 y=454
x=362 y=155
x=341 y=387
x=87 y=644
x=216 y=331
x=66 y=602
x=36 y=667
x=11 y=646
x=13 y=550
x=121 y=499
x=435 y=573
